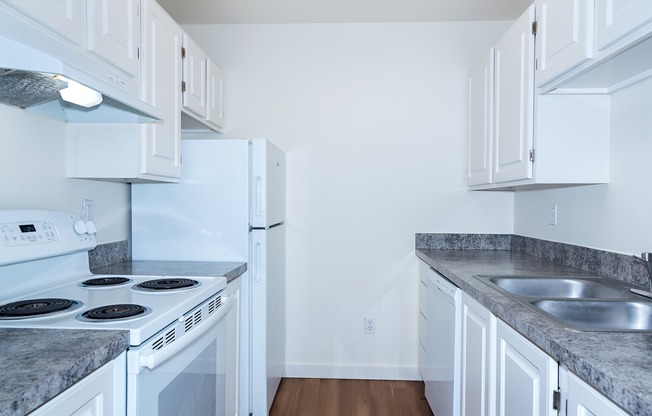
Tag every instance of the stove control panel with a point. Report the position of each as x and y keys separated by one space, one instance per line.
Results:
x=27 y=235
x=17 y=234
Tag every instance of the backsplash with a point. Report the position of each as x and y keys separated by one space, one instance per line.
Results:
x=617 y=266
x=109 y=253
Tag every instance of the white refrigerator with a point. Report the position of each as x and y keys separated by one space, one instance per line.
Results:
x=229 y=206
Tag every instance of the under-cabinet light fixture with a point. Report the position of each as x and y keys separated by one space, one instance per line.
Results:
x=79 y=94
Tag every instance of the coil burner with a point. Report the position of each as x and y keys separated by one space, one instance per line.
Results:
x=29 y=308
x=105 y=281
x=113 y=312
x=167 y=284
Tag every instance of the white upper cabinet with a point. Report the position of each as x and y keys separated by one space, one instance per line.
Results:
x=480 y=124
x=214 y=94
x=202 y=96
x=194 y=77
x=63 y=17
x=521 y=140
x=162 y=38
x=617 y=19
x=114 y=33
x=139 y=153
x=564 y=36
x=593 y=46
x=514 y=101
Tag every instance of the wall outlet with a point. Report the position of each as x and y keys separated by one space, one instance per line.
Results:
x=369 y=325
x=552 y=215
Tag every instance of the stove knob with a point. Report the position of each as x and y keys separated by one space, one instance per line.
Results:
x=80 y=227
x=90 y=227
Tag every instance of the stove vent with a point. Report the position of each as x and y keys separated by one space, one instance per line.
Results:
x=165 y=339
x=214 y=304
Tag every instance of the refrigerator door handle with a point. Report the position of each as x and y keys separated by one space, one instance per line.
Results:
x=257 y=259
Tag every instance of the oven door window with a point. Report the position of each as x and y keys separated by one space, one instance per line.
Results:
x=191 y=383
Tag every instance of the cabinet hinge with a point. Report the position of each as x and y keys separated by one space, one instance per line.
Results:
x=531 y=155
x=534 y=27
x=183 y=52
x=183 y=86
x=556 y=400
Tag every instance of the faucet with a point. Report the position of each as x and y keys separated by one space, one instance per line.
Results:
x=647 y=259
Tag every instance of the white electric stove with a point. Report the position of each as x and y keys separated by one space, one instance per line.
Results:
x=47 y=283
x=181 y=328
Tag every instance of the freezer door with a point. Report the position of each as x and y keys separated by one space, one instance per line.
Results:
x=267 y=184
x=267 y=315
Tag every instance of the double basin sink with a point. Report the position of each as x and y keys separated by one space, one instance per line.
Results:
x=579 y=303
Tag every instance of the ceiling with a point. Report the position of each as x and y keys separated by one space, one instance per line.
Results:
x=340 y=11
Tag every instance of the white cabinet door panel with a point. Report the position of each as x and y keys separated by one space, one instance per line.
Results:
x=162 y=87
x=478 y=358
x=514 y=101
x=616 y=19
x=194 y=77
x=114 y=34
x=584 y=400
x=63 y=17
x=481 y=95
x=526 y=376
x=214 y=94
x=564 y=36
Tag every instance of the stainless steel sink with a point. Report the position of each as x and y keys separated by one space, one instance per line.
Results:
x=560 y=287
x=599 y=315
x=579 y=303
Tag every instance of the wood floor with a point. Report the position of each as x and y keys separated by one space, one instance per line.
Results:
x=334 y=397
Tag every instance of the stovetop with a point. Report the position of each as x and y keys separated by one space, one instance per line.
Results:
x=162 y=307
x=44 y=259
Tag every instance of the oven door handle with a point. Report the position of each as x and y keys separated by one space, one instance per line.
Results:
x=158 y=357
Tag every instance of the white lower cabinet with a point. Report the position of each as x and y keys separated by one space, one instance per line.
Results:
x=580 y=399
x=526 y=376
x=102 y=393
x=478 y=359
x=504 y=374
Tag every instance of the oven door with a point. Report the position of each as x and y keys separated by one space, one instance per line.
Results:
x=191 y=376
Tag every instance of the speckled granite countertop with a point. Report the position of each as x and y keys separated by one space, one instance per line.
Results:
x=38 y=364
x=230 y=270
x=617 y=364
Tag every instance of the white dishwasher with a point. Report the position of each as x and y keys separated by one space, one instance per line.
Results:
x=444 y=335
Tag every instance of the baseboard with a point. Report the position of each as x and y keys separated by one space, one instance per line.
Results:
x=351 y=372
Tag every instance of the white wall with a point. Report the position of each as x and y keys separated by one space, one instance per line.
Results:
x=614 y=217
x=33 y=172
x=373 y=120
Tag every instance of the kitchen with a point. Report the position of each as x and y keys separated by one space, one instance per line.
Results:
x=384 y=105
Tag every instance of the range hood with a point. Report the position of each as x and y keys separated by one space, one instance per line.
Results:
x=32 y=80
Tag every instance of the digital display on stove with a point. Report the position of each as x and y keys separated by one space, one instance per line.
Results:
x=27 y=228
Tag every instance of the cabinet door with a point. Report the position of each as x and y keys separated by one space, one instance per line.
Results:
x=214 y=94
x=114 y=33
x=481 y=95
x=514 y=101
x=162 y=88
x=584 y=400
x=526 y=376
x=194 y=77
x=63 y=17
x=564 y=36
x=616 y=19
x=478 y=358
x=99 y=394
